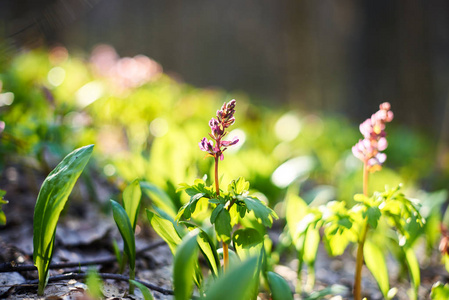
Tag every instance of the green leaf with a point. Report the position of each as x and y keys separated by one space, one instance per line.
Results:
x=413 y=267
x=236 y=284
x=239 y=186
x=215 y=213
x=94 y=284
x=248 y=242
x=189 y=208
x=262 y=212
x=52 y=198
x=334 y=289
x=311 y=244
x=440 y=291
x=375 y=261
x=184 y=266
x=126 y=231
x=165 y=229
x=280 y=290
x=373 y=213
x=159 y=197
x=207 y=247
x=131 y=201
x=146 y=293
x=2 y=213
x=118 y=255
x=223 y=225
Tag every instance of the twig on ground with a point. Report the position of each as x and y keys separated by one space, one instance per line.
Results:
x=84 y=275
x=12 y=267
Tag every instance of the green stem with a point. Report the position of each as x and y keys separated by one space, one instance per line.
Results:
x=359 y=260
x=132 y=276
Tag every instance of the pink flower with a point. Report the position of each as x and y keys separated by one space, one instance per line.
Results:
x=369 y=149
x=225 y=118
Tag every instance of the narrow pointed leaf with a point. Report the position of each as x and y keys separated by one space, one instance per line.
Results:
x=280 y=290
x=159 y=197
x=236 y=284
x=375 y=261
x=413 y=267
x=184 y=266
x=165 y=229
x=131 y=201
x=126 y=231
x=208 y=248
x=52 y=198
x=146 y=293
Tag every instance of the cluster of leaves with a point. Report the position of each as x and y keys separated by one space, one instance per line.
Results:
x=229 y=207
x=388 y=211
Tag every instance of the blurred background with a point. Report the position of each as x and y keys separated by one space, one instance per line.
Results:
x=339 y=56
x=311 y=58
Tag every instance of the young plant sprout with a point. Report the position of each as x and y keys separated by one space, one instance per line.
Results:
x=369 y=151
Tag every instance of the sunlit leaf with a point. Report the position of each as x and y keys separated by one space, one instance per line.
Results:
x=440 y=291
x=184 y=266
x=207 y=247
x=375 y=261
x=248 y=242
x=159 y=198
x=236 y=284
x=51 y=200
x=146 y=293
x=165 y=229
x=413 y=267
x=131 y=201
x=373 y=214
x=280 y=289
x=262 y=212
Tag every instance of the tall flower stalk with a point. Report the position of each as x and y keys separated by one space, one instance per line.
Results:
x=219 y=125
x=369 y=151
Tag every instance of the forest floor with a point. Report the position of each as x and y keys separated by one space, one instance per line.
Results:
x=85 y=233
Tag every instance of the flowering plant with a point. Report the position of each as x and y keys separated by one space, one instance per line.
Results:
x=236 y=202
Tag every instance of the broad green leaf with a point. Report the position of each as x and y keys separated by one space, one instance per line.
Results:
x=375 y=261
x=52 y=198
x=311 y=244
x=373 y=214
x=236 y=284
x=131 y=201
x=207 y=247
x=248 y=242
x=263 y=213
x=215 y=212
x=223 y=225
x=280 y=290
x=189 y=208
x=146 y=293
x=440 y=291
x=159 y=197
x=165 y=229
x=413 y=267
x=184 y=266
x=336 y=242
x=126 y=231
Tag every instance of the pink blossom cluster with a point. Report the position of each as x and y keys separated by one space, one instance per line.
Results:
x=125 y=72
x=218 y=126
x=369 y=150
